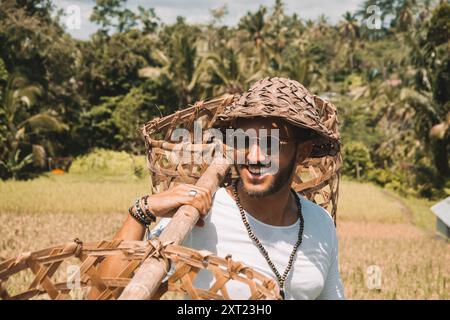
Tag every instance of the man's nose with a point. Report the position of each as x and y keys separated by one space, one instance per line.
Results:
x=255 y=154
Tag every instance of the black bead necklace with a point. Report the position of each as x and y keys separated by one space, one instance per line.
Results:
x=281 y=279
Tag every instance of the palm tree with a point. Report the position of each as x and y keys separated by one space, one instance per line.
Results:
x=254 y=27
x=322 y=23
x=254 y=24
x=178 y=62
x=411 y=121
x=227 y=71
x=428 y=119
x=21 y=131
x=405 y=15
x=349 y=30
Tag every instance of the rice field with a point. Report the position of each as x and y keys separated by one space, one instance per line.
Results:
x=380 y=231
x=388 y=249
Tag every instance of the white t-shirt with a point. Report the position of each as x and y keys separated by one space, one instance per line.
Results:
x=314 y=273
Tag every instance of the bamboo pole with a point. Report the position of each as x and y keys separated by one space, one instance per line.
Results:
x=151 y=273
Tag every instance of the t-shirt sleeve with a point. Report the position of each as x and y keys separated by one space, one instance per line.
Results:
x=333 y=288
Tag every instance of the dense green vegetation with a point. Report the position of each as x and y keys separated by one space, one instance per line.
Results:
x=61 y=96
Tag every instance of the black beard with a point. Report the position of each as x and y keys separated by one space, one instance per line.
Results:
x=280 y=180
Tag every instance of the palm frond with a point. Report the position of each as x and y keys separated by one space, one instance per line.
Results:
x=43 y=122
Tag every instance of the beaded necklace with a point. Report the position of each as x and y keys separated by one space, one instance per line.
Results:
x=281 y=279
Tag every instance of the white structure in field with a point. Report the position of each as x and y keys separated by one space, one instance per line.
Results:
x=442 y=212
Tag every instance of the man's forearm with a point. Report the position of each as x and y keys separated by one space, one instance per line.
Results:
x=130 y=230
x=111 y=266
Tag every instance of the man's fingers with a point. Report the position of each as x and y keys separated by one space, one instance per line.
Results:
x=203 y=194
x=202 y=200
x=202 y=205
x=201 y=190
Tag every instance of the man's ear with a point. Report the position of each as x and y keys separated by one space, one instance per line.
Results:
x=304 y=149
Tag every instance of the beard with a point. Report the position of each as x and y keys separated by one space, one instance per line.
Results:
x=280 y=180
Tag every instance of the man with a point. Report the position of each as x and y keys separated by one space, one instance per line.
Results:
x=259 y=219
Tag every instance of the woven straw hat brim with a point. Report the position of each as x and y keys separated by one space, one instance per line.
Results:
x=323 y=145
x=289 y=100
x=308 y=112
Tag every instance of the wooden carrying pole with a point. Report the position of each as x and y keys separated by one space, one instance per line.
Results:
x=152 y=272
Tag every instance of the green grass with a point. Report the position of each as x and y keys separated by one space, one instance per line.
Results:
x=58 y=208
x=422 y=216
x=71 y=193
x=375 y=204
x=364 y=202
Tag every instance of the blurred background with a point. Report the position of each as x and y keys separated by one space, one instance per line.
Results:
x=78 y=79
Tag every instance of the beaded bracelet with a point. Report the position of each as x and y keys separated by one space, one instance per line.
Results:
x=144 y=218
x=147 y=210
x=138 y=214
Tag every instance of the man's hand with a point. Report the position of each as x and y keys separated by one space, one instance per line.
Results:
x=165 y=204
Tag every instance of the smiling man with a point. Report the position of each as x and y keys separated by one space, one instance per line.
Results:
x=259 y=219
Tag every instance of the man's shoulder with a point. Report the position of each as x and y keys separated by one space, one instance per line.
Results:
x=314 y=212
x=221 y=196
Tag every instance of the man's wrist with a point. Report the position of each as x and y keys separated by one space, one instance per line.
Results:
x=149 y=211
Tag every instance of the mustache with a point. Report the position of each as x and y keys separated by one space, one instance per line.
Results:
x=255 y=165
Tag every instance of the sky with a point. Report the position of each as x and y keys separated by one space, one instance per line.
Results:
x=198 y=11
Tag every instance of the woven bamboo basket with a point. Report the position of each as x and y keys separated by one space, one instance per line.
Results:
x=68 y=271
x=316 y=178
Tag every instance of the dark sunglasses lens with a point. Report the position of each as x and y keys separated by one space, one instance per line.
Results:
x=241 y=142
x=270 y=145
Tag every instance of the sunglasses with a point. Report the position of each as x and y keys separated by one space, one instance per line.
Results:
x=270 y=145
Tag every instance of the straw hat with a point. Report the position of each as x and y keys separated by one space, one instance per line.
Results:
x=291 y=101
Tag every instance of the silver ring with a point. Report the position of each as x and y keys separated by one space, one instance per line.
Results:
x=192 y=193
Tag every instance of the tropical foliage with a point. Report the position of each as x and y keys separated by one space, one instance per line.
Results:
x=61 y=96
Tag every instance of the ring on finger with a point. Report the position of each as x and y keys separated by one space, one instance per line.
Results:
x=192 y=192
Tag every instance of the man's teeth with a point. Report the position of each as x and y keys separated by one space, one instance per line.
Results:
x=258 y=170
